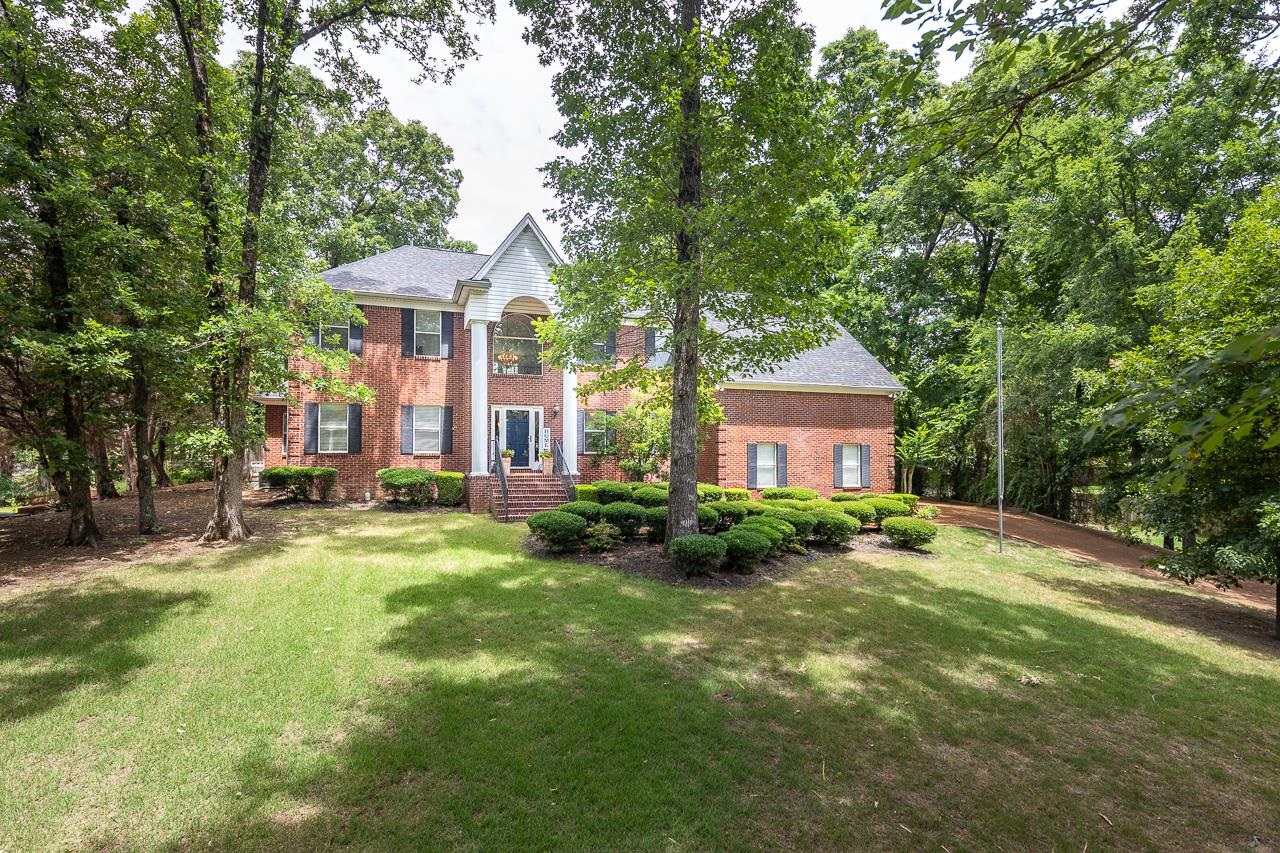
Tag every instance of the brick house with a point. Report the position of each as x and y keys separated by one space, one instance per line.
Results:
x=449 y=350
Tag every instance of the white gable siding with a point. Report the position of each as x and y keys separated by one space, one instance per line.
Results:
x=523 y=270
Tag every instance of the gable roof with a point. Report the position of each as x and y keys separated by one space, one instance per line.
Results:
x=840 y=363
x=526 y=221
x=407 y=271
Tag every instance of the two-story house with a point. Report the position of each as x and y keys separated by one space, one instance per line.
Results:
x=450 y=351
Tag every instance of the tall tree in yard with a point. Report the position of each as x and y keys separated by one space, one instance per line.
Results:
x=241 y=321
x=698 y=147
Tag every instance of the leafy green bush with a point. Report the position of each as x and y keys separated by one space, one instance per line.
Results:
x=610 y=492
x=649 y=496
x=756 y=507
x=744 y=548
x=789 y=503
x=410 y=485
x=737 y=495
x=785 y=530
x=908 y=532
x=590 y=510
x=909 y=500
x=708 y=519
x=659 y=484
x=602 y=537
x=928 y=511
x=841 y=497
x=624 y=515
x=449 y=486
x=834 y=528
x=861 y=510
x=794 y=493
x=561 y=531
x=888 y=508
x=587 y=493
x=708 y=493
x=777 y=538
x=803 y=522
x=697 y=553
x=301 y=483
x=730 y=513
x=655 y=519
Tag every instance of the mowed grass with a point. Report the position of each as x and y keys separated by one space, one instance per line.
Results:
x=392 y=681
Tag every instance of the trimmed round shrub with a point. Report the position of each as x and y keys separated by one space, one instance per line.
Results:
x=785 y=530
x=626 y=516
x=788 y=503
x=449 y=487
x=737 y=494
x=756 y=507
x=610 y=492
x=803 y=522
x=602 y=537
x=655 y=519
x=834 y=528
x=793 y=493
x=888 y=508
x=861 y=510
x=659 y=484
x=841 y=497
x=649 y=496
x=697 y=553
x=408 y=485
x=708 y=493
x=908 y=532
x=590 y=510
x=708 y=519
x=744 y=548
x=561 y=531
x=587 y=493
x=301 y=482
x=730 y=513
x=909 y=500
x=777 y=539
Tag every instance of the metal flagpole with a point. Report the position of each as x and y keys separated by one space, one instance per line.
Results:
x=1000 y=429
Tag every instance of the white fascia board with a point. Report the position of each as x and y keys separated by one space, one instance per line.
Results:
x=465 y=287
x=387 y=300
x=810 y=387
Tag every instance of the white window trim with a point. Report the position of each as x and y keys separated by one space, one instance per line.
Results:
x=439 y=430
x=334 y=326
x=321 y=429
x=438 y=335
x=772 y=468
x=587 y=432
x=856 y=480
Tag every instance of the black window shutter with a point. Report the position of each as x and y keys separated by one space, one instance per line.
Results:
x=751 y=466
x=611 y=345
x=355 y=413
x=650 y=343
x=837 y=465
x=446 y=429
x=284 y=433
x=310 y=427
x=782 y=464
x=355 y=337
x=406 y=332
x=446 y=334
x=406 y=430
x=582 y=431
x=866 y=466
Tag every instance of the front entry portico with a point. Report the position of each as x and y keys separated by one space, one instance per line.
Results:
x=519 y=429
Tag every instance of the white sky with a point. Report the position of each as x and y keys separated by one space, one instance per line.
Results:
x=498 y=114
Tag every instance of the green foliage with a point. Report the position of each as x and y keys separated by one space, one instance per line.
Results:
x=928 y=512
x=910 y=500
x=410 y=485
x=649 y=496
x=861 y=510
x=697 y=553
x=841 y=497
x=608 y=491
x=834 y=528
x=789 y=503
x=794 y=493
x=602 y=537
x=744 y=548
x=708 y=492
x=803 y=522
x=561 y=532
x=626 y=516
x=908 y=532
x=301 y=483
x=777 y=538
x=641 y=432
x=587 y=493
x=708 y=519
x=887 y=507
x=590 y=510
x=449 y=487
x=655 y=520
x=755 y=507
x=734 y=494
x=730 y=512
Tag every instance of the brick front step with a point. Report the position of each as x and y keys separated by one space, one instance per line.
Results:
x=528 y=492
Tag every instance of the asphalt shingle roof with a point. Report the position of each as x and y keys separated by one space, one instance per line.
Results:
x=407 y=271
x=843 y=362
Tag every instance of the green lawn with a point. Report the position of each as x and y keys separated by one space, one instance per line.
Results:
x=407 y=681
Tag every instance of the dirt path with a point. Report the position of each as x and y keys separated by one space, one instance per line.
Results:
x=1089 y=545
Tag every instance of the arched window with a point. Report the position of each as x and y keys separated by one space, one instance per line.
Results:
x=516 y=348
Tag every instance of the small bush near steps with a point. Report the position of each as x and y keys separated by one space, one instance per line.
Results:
x=697 y=553
x=908 y=532
x=407 y=485
x=590 y=510
x=624 y=515
x=560 y=531
x=602 y=537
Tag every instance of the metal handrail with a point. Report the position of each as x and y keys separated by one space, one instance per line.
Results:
x=495 y=467
x=560 y=465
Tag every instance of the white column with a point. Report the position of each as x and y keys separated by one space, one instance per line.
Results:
x=479 y=397
x=569 y=415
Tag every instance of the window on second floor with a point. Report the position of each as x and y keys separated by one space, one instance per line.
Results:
x=426 y=332
x=516 y=348
x=335 y=336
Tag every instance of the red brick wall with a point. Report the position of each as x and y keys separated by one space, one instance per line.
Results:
x=274 y=415
x=809 y=424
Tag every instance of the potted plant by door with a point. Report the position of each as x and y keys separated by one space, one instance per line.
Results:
x=547 y=461
x=507 y=455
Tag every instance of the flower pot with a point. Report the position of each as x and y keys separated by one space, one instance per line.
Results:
x=506 y=464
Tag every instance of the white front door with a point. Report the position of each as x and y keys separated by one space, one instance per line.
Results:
x=518 y=429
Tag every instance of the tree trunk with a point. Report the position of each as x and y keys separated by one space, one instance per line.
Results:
x=157 y=451
x=104 y=479
x=127 y=459
x=1278 y=608
x=682 y=513
x=139 y=399
x=1167 y=541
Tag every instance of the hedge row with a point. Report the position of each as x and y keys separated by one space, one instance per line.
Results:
x=420 y=486
x=300 y=482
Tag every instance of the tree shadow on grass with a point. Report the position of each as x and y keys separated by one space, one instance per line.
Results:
x=551 y=705
x=57 y=640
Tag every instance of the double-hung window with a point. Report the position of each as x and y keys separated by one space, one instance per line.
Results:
x=332 y=431
x=766 y=466
x=335 y=336
x=595 y=432
x=426 y=429
x=426 y=332
x=851 y=465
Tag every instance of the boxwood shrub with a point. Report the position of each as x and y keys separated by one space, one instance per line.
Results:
x=861 y=510
x=909 y=500
x=840 y=497
x=834 y=528
x=561 y=531
x=301 y=482
x=697 y=553
x=788 y=503
x=756 y=507
x=744 y=548
x=590 y=510
x=611 y=492
x=708 y=493
x=649 y=496
x=803 y=522
x=408 y=485
x=587 y=493
x=624 y=515
x=737 y=495
x=730 y=513
x=888 y=508
x=449 y=487
x=908 y=532
x=777 y=539
x=794 y=493
x=655 y=520
x=708 y=519
x=602 y=537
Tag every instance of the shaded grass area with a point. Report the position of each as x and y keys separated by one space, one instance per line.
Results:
x=400 y=682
